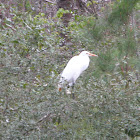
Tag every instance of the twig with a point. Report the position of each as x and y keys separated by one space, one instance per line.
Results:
x=50 y=1
x=44 y=118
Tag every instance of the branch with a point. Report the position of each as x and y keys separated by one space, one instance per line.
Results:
x=44 y=118
x=50 y=1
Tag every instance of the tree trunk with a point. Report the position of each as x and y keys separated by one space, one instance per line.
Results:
x=66 y=5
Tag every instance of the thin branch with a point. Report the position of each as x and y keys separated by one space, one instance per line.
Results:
x=50 y=1
x=44 y=117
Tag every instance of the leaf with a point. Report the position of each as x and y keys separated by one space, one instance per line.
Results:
x=15 y=41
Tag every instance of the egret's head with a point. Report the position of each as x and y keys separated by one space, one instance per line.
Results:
x=86 y=53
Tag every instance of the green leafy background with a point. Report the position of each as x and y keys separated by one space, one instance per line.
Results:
x=107 y=94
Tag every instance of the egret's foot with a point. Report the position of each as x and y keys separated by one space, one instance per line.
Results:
x=68 y=91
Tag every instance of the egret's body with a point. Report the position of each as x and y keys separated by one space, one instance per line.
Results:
x=74 y=68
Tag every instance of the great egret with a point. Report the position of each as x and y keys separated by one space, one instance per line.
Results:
x=74 y=68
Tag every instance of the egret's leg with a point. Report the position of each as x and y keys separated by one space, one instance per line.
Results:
x=73 y=96
x=68 y=91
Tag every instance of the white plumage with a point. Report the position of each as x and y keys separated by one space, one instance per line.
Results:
x=74 y=68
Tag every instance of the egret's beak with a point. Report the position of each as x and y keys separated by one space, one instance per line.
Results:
x=93 y=54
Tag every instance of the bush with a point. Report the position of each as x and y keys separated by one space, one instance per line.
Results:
x=106 y=106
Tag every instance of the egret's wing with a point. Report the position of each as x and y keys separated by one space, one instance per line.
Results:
x=71 y=67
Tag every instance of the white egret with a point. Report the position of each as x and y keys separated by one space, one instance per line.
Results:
x=74 y=68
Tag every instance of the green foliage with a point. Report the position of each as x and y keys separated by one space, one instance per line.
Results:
x=60 y=12
x=90 y=28
x=105 y=62
x=106 y=104
x=127 y=44
x=28 y=6
x=121 y=11
x=137 y=7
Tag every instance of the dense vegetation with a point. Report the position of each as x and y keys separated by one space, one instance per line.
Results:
x=32 y=55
